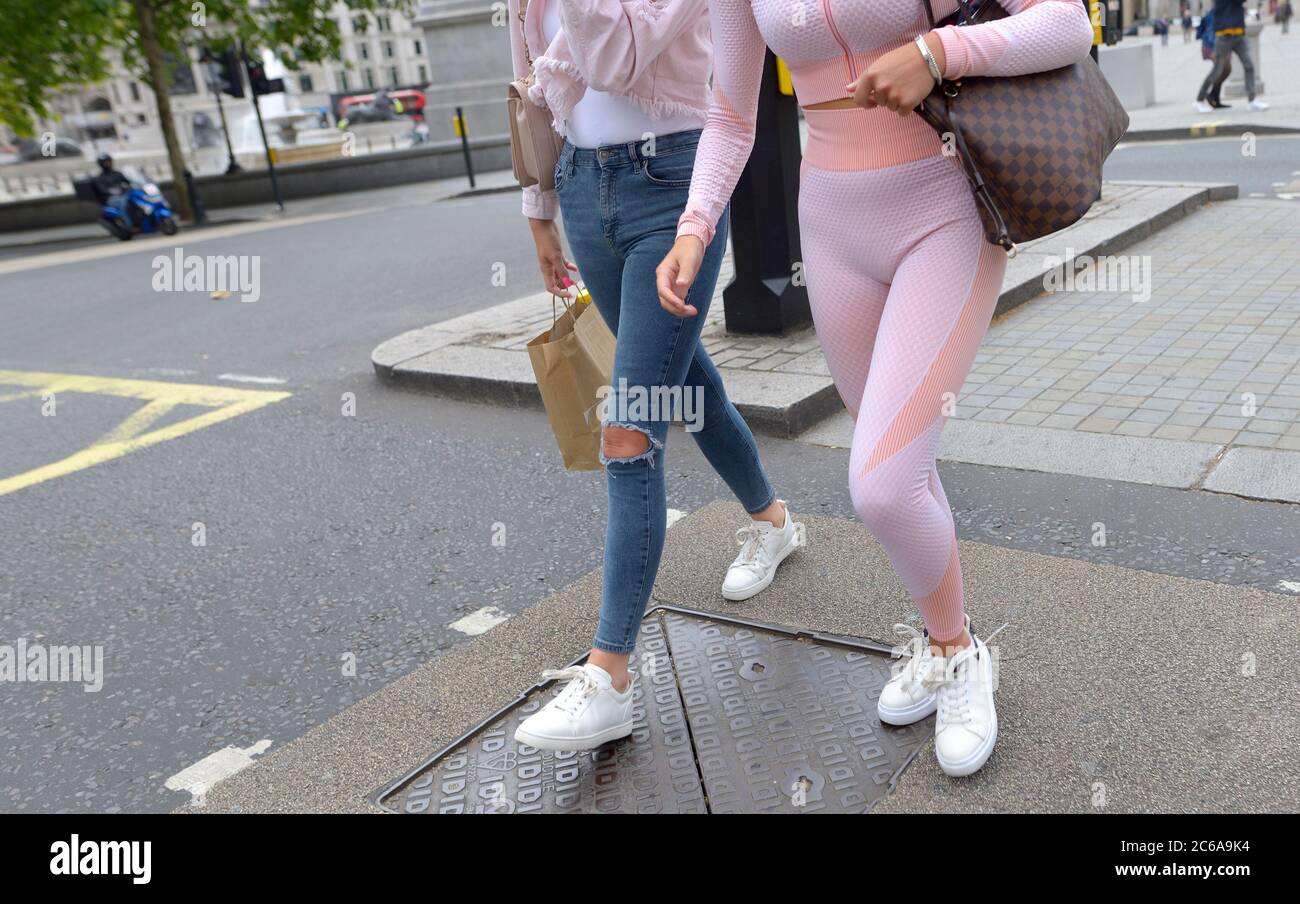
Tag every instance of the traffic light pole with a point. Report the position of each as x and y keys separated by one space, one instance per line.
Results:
x=224 y=77
x=234 y=166
x=261 y=128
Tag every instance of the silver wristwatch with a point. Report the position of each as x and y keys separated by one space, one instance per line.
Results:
x=929 y=59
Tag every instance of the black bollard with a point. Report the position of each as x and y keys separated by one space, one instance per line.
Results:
x=768 y=294
x=196 y=201
x=462 y=130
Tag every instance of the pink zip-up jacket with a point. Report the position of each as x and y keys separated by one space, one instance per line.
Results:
x=657 y=53
x=829 y=43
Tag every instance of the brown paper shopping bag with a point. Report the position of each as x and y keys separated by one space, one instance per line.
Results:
x=572 y=361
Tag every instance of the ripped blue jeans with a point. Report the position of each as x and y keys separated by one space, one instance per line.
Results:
x=620 y=206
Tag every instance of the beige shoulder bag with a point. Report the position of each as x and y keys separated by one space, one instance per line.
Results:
x=534 y=145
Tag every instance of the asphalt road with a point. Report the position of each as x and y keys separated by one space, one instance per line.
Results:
x=1273 y=169
x=331 y=538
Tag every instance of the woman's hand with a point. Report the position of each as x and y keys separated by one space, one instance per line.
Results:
x=551 y=261
x=900 y=79
x=676 y=272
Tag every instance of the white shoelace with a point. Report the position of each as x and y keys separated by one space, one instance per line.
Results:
x=954 y=688
x=920 y=665
x=753 y=551
x=581 y=688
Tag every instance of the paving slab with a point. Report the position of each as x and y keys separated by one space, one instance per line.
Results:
x=1162 y=386
x=1120 y=690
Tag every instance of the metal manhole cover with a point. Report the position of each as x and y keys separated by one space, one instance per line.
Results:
x=651 y=771
x=783 y=722
x=731 y=717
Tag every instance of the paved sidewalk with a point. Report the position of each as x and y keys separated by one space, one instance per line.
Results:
x=1094 y=715
x=780 y=384
x=1199 y=386
x=1179 y=71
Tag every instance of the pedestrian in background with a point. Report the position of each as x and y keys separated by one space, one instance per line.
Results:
x=1229 y=38
x=1205 y=33
x=1284 y=16
x=1187 y=26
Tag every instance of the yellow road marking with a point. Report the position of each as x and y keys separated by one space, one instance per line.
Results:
x=129 y=436
x=138 y=422
x=25 y=394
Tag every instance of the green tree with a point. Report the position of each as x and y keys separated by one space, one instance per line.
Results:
x=52 y=45
x=47 y=47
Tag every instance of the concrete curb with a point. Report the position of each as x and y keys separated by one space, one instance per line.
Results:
x=1253 y=473
x=1206 y=130
x=775 y=403
x=1250 y=472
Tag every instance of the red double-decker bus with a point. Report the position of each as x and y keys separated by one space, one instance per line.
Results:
x=407 y=102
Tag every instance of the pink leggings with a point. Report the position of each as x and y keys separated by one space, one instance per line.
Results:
x=902 y=286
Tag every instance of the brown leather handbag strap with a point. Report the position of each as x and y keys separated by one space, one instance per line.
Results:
x=967 y=13
x=976 y=180
x=978 y=187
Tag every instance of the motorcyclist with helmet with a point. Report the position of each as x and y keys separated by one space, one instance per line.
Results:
x=111 y=187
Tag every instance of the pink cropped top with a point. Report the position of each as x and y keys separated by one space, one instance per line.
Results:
x=829 y=43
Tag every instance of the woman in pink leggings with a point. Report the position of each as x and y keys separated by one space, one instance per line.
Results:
x=900 y=277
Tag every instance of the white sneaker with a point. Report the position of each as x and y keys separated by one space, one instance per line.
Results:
x=967 y=725
x=1203 y=107
x=1258 y=104
x=586 y=714
x=912 y=694
x=762 y=548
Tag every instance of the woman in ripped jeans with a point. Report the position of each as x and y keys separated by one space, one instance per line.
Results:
x=629 y=92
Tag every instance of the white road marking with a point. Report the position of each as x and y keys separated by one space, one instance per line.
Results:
x=203 y=775
x=480 y=622
x=1291 y=586
x=244 y=378
x=675 y=515
x=164 y=372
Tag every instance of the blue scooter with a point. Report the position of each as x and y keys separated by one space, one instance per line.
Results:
x=146 y=210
